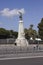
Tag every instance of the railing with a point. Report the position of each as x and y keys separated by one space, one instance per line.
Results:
x=7 y=41
x=17 y=50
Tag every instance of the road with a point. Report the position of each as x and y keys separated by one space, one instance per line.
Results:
x=26 y=61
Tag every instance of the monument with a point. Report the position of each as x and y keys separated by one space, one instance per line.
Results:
x=21 y=41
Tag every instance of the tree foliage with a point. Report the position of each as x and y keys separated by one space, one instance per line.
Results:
x=8 y=33
x=40 y=29
x=26 y=34
x=30 y=32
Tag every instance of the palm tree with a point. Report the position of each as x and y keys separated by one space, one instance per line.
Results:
x=31 y=26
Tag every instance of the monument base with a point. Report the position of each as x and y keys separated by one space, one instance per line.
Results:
x=21 y=42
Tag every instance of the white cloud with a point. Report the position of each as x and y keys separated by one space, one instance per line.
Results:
x=10 y=13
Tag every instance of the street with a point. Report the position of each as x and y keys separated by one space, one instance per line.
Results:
x=26 y=61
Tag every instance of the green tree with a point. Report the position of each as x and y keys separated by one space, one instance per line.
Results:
x=4 y=33
x=31 y=26
x=26 y=34
x=40 y=29
x=14 y=34
x=32 y=32
x=8 y=33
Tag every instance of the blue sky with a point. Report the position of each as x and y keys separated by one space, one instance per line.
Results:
x=33 y=13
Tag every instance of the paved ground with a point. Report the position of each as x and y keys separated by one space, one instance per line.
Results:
x=27 y=61
x=23 y=55
x=10 y=51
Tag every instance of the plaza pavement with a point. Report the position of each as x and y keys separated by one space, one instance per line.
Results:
x=13 y=52
x=12 y=55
